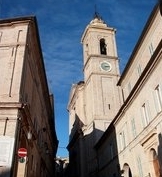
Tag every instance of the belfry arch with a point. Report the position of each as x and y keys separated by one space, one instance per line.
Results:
x=103 y=47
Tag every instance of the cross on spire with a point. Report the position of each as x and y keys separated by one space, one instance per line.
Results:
x=96 y=14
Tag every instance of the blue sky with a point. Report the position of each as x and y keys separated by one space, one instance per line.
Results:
x=61 y=24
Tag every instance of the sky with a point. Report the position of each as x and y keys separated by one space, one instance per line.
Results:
x=61 y=24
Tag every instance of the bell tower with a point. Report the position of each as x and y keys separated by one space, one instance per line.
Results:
x=94 y=102
x=101 y=73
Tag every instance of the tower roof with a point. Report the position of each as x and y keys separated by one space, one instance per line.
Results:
x=97 y=15
x=97 y=20
x=96 y=23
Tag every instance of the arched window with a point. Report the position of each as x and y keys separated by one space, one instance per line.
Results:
x=126 y=171
x=155 y=161
x=103 y=46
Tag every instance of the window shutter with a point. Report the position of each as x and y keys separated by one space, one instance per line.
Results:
x=148 y=110
x=142 y=117
x=155 y=101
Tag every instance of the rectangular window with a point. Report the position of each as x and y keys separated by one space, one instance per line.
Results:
x=151 y=49
x=123 y=95
x=139 y=165
x=158 y=98
x=129 y=87
x=119 y=142
x=139 y=70
x=133 y=128
x=145 y=115
x=122 y=140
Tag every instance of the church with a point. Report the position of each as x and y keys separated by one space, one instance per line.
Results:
x=115 y=121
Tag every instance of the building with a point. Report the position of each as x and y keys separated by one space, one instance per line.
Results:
x=131 y=143
x=138 y=123
x=92 y=106
x=26 y=106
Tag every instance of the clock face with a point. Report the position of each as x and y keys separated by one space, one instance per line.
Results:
x=106 y=66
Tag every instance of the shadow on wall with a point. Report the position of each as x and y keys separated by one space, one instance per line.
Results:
x=93 y=153
x=76 y=148
x=4 y=172
x=107 y=155
x=160 y=153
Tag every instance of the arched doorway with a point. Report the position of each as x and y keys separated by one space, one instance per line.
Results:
x=127 y=171
x=155 y=162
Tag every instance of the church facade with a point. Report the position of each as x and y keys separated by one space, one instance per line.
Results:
x=115 y=120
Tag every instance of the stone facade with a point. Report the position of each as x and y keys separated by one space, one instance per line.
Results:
x=139 y=124
x=26 y=108
x=94 y=102
x=130 y=144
